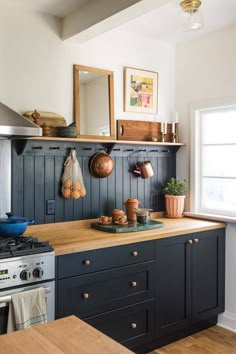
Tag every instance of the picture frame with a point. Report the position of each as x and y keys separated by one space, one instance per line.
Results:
x=140 y=91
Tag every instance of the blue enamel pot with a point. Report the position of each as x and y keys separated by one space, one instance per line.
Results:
x=13 y=226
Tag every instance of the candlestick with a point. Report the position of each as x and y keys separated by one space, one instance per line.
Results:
x=162 y=131
x=163 y=135
x=176 y=117
x=176 y=132
x=173 y=127
x=173 y=138
x=165 y=127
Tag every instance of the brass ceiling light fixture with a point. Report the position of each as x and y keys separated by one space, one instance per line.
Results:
x=192 y=15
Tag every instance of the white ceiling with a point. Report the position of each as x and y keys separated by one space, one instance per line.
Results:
x=166 y=23
x=162 y=23
x=59 y=8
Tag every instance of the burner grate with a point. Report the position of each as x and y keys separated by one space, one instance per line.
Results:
x=21 y=245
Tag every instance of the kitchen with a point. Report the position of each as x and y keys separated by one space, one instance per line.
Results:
x=36 y=72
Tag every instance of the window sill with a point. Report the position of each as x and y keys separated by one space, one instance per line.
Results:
x=223 y=218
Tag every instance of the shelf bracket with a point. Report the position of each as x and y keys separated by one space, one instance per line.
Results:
x=19 y=145
x=109 y=147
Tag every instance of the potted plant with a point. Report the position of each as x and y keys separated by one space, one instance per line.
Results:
x=174 y=197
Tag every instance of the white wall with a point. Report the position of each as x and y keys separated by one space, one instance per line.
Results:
x=36 y=67
x=206 y=70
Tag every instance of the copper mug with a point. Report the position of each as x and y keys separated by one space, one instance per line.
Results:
x=144 y=169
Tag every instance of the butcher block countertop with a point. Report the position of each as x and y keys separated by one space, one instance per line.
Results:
x=76 y=236
x=66 y=335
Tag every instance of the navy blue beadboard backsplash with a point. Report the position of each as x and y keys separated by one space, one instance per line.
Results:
x=37 y=172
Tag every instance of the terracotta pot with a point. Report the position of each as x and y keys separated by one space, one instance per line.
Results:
x=174 y=205
x=101 y=165
x=131 y=205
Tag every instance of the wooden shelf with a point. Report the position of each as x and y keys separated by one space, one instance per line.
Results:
x=20 y=144
x=106 y=141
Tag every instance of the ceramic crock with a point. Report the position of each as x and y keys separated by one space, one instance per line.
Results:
x=130 y=205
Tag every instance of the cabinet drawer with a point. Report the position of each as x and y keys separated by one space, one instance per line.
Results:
x=131 y=325
x=91 y=294
x=105 y=258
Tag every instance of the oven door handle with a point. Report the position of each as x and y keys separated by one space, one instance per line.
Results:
x=7 y=299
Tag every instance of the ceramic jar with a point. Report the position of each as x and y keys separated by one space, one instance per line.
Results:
x=130 y=205
x=143 y=215
x=117 y=214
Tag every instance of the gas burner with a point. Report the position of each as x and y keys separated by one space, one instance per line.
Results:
x=11 y=243
x=21 y=245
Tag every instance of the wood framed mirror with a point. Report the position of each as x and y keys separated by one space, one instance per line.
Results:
x=93 y=102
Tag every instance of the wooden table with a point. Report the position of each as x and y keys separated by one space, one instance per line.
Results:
x=67 y=335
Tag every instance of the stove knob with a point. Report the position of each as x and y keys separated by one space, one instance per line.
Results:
x=38 y=273
x=25 y=274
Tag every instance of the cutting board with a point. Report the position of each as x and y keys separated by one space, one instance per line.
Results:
x=135 y=130
x=49 y=119
x=132 y=226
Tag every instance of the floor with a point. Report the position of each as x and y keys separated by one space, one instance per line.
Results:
x=214 y=340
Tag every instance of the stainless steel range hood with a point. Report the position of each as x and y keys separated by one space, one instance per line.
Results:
x=13 y=124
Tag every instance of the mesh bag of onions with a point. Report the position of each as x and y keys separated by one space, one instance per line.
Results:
x=72 y=179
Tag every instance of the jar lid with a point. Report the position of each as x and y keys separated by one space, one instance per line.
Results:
x=132 y=200
x=117 y=211
x=142 y=211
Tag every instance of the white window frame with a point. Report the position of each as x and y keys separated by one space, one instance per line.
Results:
x=195 y=155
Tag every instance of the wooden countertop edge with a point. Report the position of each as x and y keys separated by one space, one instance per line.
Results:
x=88 y=247
x=65 y=335
x=78 y=236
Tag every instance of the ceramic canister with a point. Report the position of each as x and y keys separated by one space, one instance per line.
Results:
x=130 y=205
x=116 y=214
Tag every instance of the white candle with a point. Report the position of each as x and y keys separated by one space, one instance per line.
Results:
x=165 y=130
x=173 y=127
x=162 y=131
x=176 y=117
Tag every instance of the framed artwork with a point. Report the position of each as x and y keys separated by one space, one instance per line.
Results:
x=140 y=91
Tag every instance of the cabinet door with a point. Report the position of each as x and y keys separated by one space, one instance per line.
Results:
x=173 y=289
x=208 y=274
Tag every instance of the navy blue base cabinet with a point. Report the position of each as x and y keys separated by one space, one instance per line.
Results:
x=190 y=282
x=145 y=295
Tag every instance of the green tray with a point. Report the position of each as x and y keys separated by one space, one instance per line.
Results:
x=132 y=226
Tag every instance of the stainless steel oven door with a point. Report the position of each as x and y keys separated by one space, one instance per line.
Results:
x=5 y=297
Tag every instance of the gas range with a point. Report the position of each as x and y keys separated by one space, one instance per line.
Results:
x=25 y=261
x=21 y=246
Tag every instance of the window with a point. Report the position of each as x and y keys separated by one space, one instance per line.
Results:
x=213 y=178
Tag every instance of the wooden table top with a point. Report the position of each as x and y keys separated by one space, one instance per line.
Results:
x=76 y=236
x=67 y=335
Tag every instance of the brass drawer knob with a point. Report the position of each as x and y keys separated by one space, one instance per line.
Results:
x=85 y=296
x=134 y=253
x=86 y=262
x=195 y=240
x=133 y=325
x=133 y=283
x=190 y=242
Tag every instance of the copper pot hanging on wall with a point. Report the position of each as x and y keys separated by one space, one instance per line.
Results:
x=101 y=165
